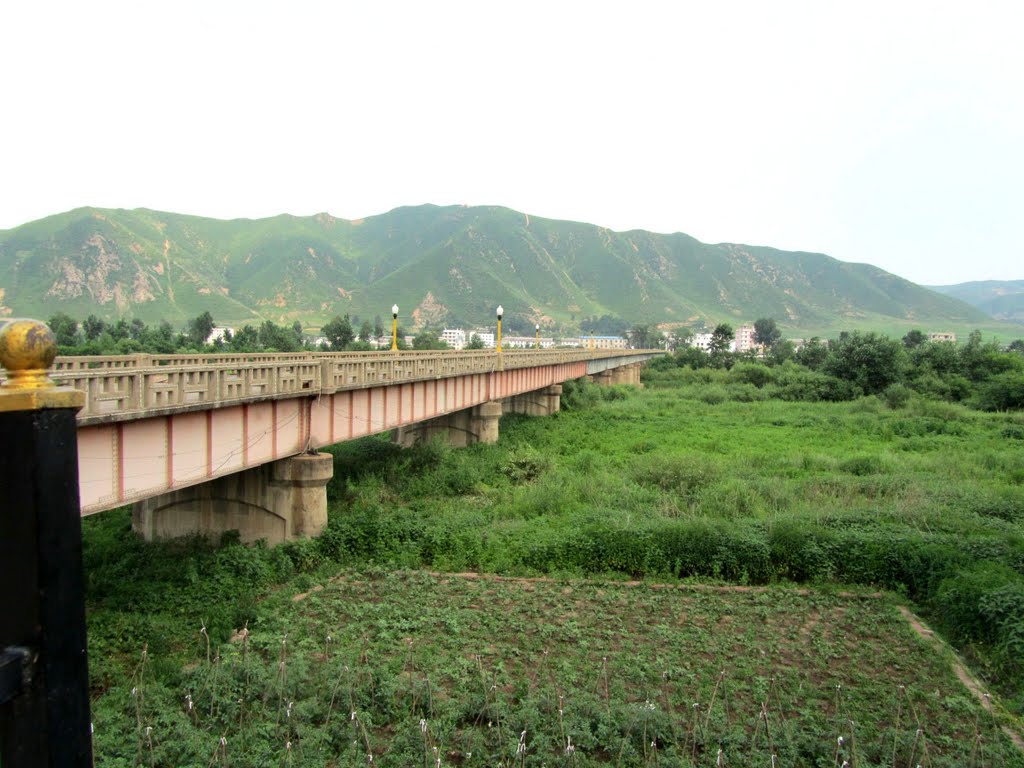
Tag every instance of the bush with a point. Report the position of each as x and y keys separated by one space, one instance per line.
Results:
x=984 y=602
x=1002 y=392
x=685 y=475
x=751 y=373
x=896 y=396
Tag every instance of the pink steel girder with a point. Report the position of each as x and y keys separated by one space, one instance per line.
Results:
x=121 y=462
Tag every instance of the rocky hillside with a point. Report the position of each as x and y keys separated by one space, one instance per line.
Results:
x=441 y=265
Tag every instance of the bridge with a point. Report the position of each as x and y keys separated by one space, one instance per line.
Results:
x=211 y=443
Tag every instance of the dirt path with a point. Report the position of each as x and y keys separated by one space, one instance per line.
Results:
x=969 y=681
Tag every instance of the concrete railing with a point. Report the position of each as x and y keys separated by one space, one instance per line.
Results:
x=122 y=387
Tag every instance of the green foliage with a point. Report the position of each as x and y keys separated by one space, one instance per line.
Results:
x=867 y=360
x=721 y=338
x=766 y=332
x=922 y=500
x=338 y=333
x=1002 y=392
x=287 y=268
x=429 y=338
x=199 y=328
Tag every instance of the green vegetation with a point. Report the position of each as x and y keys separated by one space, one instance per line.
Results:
x=979 y=374
x=442 y=265
x=707 y=476
x=96 y=337
x=1002 y=299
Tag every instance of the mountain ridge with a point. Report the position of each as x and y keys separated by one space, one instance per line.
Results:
x=1002 y=299
x=440 y=264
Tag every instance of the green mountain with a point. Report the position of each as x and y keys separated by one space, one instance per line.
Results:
x=1002 y=299
x=440 y=264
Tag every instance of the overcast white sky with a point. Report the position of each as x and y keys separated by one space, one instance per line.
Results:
x=882 y=132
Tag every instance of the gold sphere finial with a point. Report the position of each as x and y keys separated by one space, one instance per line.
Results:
x=27 y=350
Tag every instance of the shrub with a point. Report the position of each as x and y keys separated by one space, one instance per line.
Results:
x=751 y=373
x=712 y=395
x=1002 y=392
x=685 y=475
x=863 y=465
x=896 y=396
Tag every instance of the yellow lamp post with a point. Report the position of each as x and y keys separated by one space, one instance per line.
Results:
x=501 y=311
x=591 y=341
x=536 y=327
x=394 y=328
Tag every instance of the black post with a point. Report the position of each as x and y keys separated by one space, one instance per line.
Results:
x=44 y=713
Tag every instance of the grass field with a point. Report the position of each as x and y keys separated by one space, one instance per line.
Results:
x=924 y=501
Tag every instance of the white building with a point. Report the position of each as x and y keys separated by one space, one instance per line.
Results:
x=219 y=333
x=454 y=337
x=701 y=341
x=526 y=342
x=485 y=336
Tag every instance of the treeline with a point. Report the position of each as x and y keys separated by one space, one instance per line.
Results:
x=979 y=374
x=95 y=336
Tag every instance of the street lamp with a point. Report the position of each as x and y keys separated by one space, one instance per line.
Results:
x=536 y=327
x=394 y=328
x=501 y=311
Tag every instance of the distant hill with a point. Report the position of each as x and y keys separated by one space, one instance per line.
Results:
x=1002 y=299
x=441 y=265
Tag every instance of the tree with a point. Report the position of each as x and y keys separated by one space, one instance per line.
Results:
x=339 y=333
x=93 y=327
x=867 y=360
x=767 y=333
x=65 y=329
x=200 y=328
x=120 y=330
x=813 y=354
x=721 y=338
x=297 y=332
x=162 y=341
x=246 y=339
x=475 y=342
x=378 y=327
x=914 y=339
x=365 y=331
x=1017 y=345
x=275 y=338
x=429 y=338
x=645 y=337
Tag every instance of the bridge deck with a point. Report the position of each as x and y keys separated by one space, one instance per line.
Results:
x=128 y=387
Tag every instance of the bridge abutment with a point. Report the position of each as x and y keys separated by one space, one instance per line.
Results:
x=278 y=501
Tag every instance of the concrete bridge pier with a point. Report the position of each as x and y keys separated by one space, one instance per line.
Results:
x=626 y=374
x=478 y=424
x=539 y=402
x=278 y=501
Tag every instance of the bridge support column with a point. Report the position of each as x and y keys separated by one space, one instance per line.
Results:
x=604 y=378
x=279 y=501
x=627 y=374
x=539 y=402
x=478 y=424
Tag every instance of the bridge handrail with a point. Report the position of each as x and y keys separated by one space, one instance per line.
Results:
x=123 y=386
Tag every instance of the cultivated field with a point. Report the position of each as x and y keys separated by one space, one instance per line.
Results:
x=924 y=502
